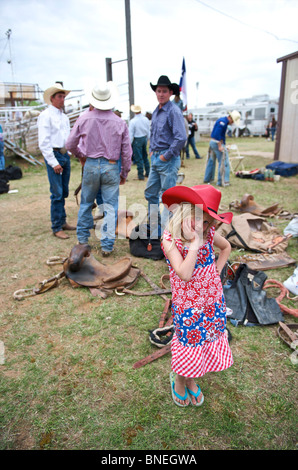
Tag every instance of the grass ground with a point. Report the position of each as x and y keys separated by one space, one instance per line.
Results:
x=68 y=381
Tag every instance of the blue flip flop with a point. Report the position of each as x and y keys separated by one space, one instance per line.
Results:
x=175 y=394
x=196 y=395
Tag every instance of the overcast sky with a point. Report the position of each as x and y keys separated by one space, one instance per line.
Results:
x=230 y=46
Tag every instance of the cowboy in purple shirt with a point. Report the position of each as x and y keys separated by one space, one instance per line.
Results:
x=167 y=138
x=98 y=138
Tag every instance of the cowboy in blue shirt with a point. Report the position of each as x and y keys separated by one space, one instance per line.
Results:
x=217 y=147
x=220 y=128
x=167 y=138
x=2 y=159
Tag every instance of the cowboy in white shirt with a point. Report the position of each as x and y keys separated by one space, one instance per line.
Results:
x=53 y=131
x=139 y=133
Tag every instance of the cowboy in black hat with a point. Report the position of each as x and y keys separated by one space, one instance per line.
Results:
x=167 y=138
x=163 y=81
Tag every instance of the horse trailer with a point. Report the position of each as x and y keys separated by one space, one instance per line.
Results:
x=256 y=114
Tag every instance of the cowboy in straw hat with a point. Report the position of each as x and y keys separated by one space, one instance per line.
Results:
x=97 y=138
x=104 y=96
x=235 y=116
x=218 y=150
x=51 y=91
x=167 y=138
x=139 y=133
x=53 y=130
x=135 y=108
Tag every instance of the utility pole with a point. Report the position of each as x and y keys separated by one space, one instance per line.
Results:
x=129 y=56
x=8 y=33
x=109 y=62
x=109 y=69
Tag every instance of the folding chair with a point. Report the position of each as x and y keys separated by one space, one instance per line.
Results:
x=235 y=155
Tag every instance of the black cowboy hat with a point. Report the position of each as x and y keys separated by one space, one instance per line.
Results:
x=162 y=81
x=176 y=89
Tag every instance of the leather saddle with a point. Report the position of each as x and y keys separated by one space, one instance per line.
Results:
x=248 y=204
x=82 y=269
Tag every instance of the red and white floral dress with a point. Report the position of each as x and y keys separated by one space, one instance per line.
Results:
x=199 y=344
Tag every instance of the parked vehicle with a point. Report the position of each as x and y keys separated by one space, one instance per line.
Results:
x=256 y=113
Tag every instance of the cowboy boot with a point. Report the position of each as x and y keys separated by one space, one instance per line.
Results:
x=61 y=235
x=66 y=226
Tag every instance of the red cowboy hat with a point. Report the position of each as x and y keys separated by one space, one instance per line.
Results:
x=203 y=195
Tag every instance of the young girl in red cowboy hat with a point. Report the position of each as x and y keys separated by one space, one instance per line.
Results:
x=199 y=344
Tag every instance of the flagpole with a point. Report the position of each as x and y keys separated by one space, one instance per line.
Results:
x=182 y=85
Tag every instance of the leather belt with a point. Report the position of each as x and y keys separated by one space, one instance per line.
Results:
x=113 y=162
x=61 y=150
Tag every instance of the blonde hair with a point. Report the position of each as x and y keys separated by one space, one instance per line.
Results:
x=183 y=211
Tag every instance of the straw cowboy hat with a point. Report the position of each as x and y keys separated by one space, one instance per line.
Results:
x=104 y=96
x=52 y=90
x=135 y=108
x=235 y=115
x=163 y=81
x=203 y=195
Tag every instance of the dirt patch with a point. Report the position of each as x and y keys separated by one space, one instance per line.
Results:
x=255 y=153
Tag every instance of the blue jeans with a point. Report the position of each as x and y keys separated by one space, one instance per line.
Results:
x=163 y=175
x=223 y=165
x=99 y=200
x=139 y=147
x=2 y=162
x=59 y=190
x=2 y=159
x=99 y=173
x=191 y=142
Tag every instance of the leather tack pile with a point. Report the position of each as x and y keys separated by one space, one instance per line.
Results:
x=244 y=280
x=263 y=247
x=248 y=204
x=253 y=231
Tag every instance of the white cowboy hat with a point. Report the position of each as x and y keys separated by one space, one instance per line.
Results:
x=52 y=90
x=135 y=108
x=236 y=116
x=104 y=96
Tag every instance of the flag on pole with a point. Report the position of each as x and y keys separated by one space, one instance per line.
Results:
x=182 y=85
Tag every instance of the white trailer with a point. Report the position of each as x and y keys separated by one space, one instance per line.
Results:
x=256 y=113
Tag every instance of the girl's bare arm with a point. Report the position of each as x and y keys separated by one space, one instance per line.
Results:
x=183 y=267
x=225 y=250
